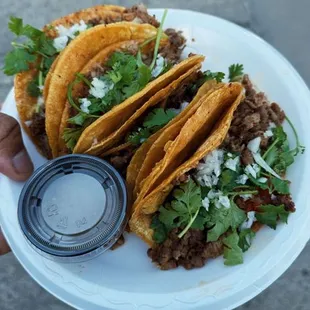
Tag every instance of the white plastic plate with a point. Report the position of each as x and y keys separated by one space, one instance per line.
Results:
x=125 y=278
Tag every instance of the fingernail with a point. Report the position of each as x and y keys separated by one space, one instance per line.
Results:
x=22 y=162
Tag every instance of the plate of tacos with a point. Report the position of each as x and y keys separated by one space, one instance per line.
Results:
x=207 y=125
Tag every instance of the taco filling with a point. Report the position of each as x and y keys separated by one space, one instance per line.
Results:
x=153 y=120
x=218 y=207
x=41 y=49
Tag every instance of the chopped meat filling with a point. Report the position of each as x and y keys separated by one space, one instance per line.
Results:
x=191 y=251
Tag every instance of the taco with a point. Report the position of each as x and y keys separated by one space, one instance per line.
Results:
x=213 y=203
x=194 y=131
x=34 y=71
x=153 y=151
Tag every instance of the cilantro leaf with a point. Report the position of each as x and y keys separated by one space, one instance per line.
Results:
x=218 y=76
x=183 y=209
x=201 y=220
x=33 y=88
x=168 y=217
x=269 y=215
x=232 y=252
x=158 y=117
x=246 y=237
x=17 y=61
x=257 y=183
x=139 y=136
x=160 y=231
x=227 y=180
x=238 y=216
x=16 y=25
x=78 y=119
x=28 y=52
x=280 y=186
x=279 y=156
x=222 y=219
x=71 y=136
x=155 y=120
x=235 y=73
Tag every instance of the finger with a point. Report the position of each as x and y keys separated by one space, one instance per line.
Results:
x=14 y=159
x=4 y=248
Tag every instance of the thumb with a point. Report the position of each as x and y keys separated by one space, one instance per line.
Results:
x=14 y=159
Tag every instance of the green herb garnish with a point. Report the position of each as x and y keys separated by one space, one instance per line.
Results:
x=246 y=237
x=232 y=252
x=270 y=214
x=155 y=120
x=27 y=53
x=235 y=73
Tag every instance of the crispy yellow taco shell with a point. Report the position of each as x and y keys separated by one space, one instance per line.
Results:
x=72 y=60
x=138 y=169
x=26 y=104
x=140 y=221
x=111 y=121
x=191 y=135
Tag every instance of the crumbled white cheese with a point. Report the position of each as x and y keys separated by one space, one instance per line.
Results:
x=28 y=123
x=268 y=133
x=262 y=180
x=214 y=194
x=232 y=163
x=60 y=43
x=229 y=155
x=242 y=179
x=72 y=31
x=249 y=222
x=100 y=88
x=246 y=196
x=206 y=203
x=222 y=201
x=137 y=20
x=254 y=144
x=160 y=64
x=65 y=33
x=272 y=125
x=209 y=171
x=85 y=103
x=182 y=107
x=40 y=101
x=250 y=170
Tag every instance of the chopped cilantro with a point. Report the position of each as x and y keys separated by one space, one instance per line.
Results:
x=71 y=136
x=222 y=219
x=279 y=155
x=246 y=237
x=235 y=73
x=155 y=120
x=33 y=88
x=232 y=252
x=207 y=75
x=160 y=230
x=218 y=76
x=17 y=61
x=269 y=215
x=26 y=53
x=227 y=181
x=280 y=186
x=182 y=211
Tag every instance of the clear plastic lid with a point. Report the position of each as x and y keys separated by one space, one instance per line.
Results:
x=73 y=205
